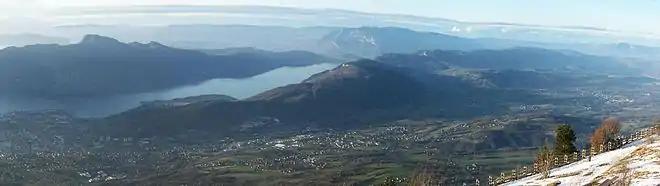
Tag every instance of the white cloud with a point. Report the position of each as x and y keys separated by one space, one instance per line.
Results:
x=66 y=3
x=19 y=7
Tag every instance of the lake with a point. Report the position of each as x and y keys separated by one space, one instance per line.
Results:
x=237 y=88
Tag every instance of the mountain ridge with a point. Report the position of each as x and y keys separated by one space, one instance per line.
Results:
x=327 y=101
x=86 y=68
x=392 y=87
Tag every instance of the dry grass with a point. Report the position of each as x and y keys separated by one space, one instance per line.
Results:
x=567 y=174
x=604 y=164
x=620 y=167
x=644 y=150
x=621 y=170
x=642 y=173
x=649 y=140
x=597 y=178
x=626 y=179
x=593 y=183
x=553 y=183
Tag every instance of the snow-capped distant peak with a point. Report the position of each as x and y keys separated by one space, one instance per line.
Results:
x=369 y=40
x=468 y=29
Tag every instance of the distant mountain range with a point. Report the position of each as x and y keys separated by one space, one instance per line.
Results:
x=286 y=28
x=7 y=40
x=102 y=66
x=345 y=97
x=300 y=17
x=371 y=42
x=393 y=87
x=91 y=67
x=342 y=42
x=514 y=58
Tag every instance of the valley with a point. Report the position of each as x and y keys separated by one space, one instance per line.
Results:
x=359 y=152
x=301 y=93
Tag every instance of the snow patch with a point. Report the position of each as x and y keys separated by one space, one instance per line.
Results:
x=638 y=161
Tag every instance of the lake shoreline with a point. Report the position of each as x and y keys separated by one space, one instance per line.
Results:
x=101 y=107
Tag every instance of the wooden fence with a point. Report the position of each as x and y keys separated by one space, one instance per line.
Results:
x=559 y=161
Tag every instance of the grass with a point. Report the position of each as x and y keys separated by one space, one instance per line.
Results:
x=553 y=184
x=503 y=157
x=626 y=179
x=568 y=174
x=620 y=170
x=495 y=162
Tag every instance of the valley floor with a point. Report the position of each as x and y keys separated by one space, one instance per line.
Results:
x=636 y=164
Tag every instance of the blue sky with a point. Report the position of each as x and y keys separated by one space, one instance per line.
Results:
x=627 y=15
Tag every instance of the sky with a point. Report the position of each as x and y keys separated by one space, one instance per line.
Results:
x=625 y=15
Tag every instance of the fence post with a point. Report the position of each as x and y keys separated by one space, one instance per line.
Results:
x=491 y=181
x=502 y=178
x=643 y=133
x=514 y=174
x=592 y=152
x=584 y=153
x=476 y=182
x=565 y=159
x=575 y=156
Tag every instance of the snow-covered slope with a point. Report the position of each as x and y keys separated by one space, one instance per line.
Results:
x=637 y=163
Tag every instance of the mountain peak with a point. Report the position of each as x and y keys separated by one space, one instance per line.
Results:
x=98 y=39
x=154 y=44
x=351 y=70
x=150 y=45
x=353 y=79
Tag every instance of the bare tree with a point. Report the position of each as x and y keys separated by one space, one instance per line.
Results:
x=544 y=161
x=607 y=132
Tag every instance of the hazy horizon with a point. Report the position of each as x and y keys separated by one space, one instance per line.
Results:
x=628 y=16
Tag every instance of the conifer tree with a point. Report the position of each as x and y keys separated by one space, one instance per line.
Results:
x=564 y=140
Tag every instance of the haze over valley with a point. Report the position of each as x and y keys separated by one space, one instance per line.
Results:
x=254 y=94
